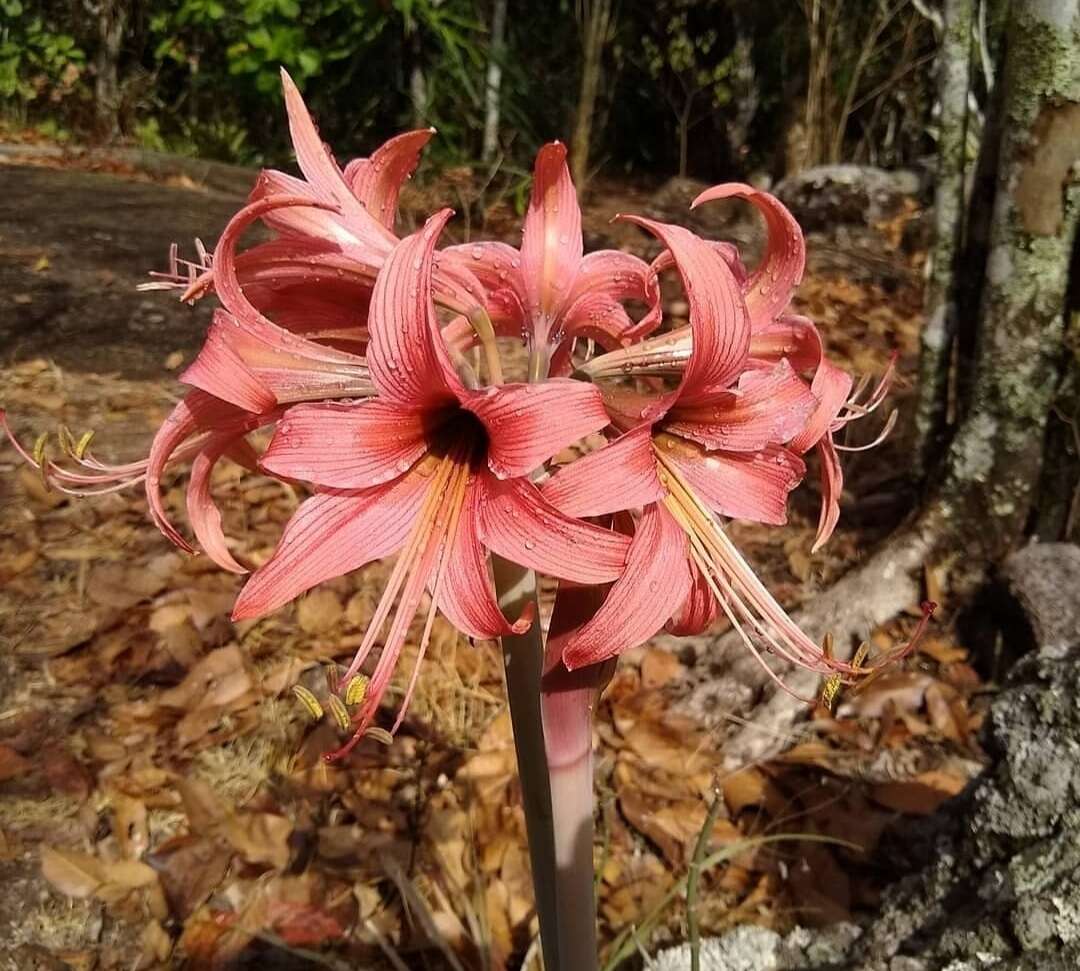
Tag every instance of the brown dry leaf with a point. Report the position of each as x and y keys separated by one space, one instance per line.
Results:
x=905 y=689
x=319 y=612
x=203 y=806
x=259 y=837
x=673 y=826
x=12 y=764
x=73 y=873
x=156 y=946
x=122 y=585
x=920 y=796
x=751 y=787
x=942 y=650
x=658 y=668
x=941 y=713
x=130 y=825
x=220 y=680
x=191 y=868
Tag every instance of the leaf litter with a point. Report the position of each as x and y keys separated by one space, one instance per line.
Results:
x=157 y=769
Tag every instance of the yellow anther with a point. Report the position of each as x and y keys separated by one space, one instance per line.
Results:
x=357 y=689
x=380 y=735
x=830 y=691
x=340 y=712
x=309 y=701
x=83 y=443
x=860 y=655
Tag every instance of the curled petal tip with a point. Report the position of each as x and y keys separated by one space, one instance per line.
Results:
x=525 y=621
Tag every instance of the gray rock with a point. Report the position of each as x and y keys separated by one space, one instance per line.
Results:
x=860 y=195
x=994 y=878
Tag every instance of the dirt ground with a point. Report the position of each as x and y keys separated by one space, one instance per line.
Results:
x=162 y=800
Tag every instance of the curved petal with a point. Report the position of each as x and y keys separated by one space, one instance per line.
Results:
x=346 y=446
x=317 y=223
x=331 y=534
x=728 y=252
x=832 y=486
x=377 y=181
x=601 y=318
x=256 y=365
x=622 y=475
x=529 y=423
x=771 y=285
x=197 y=412
x=518 y=523
x=718 y=317
x=697 y=613
x=496 y=265
x=467 y=596
x=203 y=513
x=831 y=386
x=769 y=406
x=407 y=356
x=743 y=485
x=616 y=276
x=656 y=576
x=789 y=336
x=322 y=172
x=551 y=244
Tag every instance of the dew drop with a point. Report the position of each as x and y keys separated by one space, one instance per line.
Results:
x=530 y=545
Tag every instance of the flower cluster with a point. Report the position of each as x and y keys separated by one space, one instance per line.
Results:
x=377 y=361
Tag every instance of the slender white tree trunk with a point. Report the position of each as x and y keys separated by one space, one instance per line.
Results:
x=493 y=88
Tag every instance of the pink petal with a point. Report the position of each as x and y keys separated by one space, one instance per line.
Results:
x=601 y=318
x=769 y=406
x=770 y=287
x=743 y=485
x=497 y=266
x=196 y=413
x=377 y=181
x=329 y=535
x=529 y=423
x=790 y=336
x=656 y=577
x=728 y=252
x=255 y=365
x=346 y=445
x=203 y=514
x=621 y=475
x=831 y=386
x=718 y=317
x=322 y=171
x=551 y=245
x=407 y=356
x=467 y=596
x=518 y=523
x=832 y=486
x=697 y=613
x=316 y=223
x=616 y=276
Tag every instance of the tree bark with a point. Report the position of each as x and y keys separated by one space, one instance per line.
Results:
x=493 y=87
x=112 y=25
x=954 y=82
x=982 y=505
x=596 y=24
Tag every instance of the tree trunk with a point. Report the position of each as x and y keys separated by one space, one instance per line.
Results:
x=596 y=23
x=981 y=507
x=112 y=24
x=493 y=88
x=684 y=135
x=954 y=82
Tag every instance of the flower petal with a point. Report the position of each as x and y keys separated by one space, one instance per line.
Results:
x=377 y=181
x=622 y=475
x=604 y=279
x=322 y=172
x=529 y=423
x=790 y=336
x=346 y=445
x=743 y=485
x=329 y=535
x=698 y=611
x=832 y=486
x=718 y=317
x=780 y=271
x=467 y=596
x=551 y=244
x=407 y=356
x=518 y=523
x=306 y=222
x=656 y=576
x=203 y=513
x=831 y=387
x=769 y=406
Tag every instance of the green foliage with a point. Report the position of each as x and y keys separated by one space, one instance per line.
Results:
x=35 y=61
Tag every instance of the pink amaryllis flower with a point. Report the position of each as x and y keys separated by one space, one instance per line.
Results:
x=713 y=446
x=430 y=469
x=551 y=292
x=776 y=335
